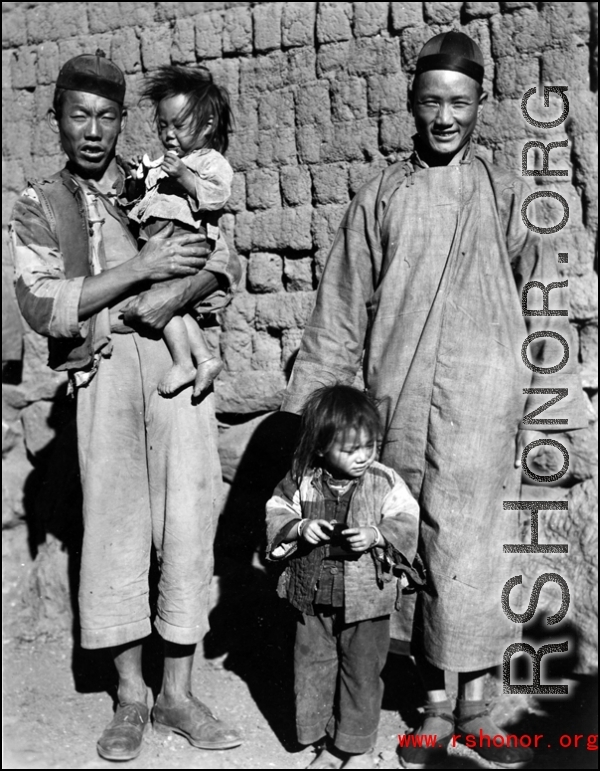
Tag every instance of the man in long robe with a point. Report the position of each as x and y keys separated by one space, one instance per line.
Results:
x=425 y=278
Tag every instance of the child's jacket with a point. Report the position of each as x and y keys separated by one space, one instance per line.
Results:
x=380 y=498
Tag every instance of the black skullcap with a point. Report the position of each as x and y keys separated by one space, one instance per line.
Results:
x=453 y=51
x=94 y=74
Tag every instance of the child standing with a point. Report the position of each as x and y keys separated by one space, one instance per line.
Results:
x=346 y=525
x=186 y=186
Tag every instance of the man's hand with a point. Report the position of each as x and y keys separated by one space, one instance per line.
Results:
x=317 y=531
x=360 y=538
x=167 y=256
x=155 y=307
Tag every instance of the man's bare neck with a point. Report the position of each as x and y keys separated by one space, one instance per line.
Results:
x=104 y=182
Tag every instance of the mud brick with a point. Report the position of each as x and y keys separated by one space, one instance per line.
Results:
x=243 y=150
x=240 y=313
x=374 y=55
x=156 y=46
x=237 y=350
x=361 y=173
x=56 y=21
x=523 y=32
x=237 y=30
x=276 y=109
x=226 y=73
x=370 y=18
x=396 y=131
x=515 y=76
x=287 y=228
x=313 y=105
x=298 y=274
x=301 y=66
x=104 y=17
x=125 y=50
x=19 y=142
x=569 y=22
x=13 y=28
x=290 y=344
x=263 y=189
x=267 y=352
x=19 y=106
x=515 y=6
x=237 y=199
x=42 y=101
x=298 y=23
x=267 y=26
x=265 y=272
x=264 y=74
x=334 y=22
x=325 y=223
x=330 y=183
x=284 y=310
x=481 y=10
x=348 y=98
x=183 y=50
x=23 y=68
x=209 y=35
x=276 y=147
x=583 y=297
x=296 y=185
x=309 y=140
x=387 y=93
x=442 y=13
x=413 y=39
x=47 y=63
x=333 y=59
x=243 y=231
x=406 y=15
x=569 y=66
x=6 y=69
x=352 y=141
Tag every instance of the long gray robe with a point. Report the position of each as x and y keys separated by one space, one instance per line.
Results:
x=425 y=276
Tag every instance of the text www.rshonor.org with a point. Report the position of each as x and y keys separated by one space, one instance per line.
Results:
x=590 y=742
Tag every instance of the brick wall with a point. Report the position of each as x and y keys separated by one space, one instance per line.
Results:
x=319 y=94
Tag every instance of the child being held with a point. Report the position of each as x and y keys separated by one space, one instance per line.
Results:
x=186 y=186
x=341 y=521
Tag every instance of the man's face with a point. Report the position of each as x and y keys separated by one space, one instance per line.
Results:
x=445 y=106
x=89 y=126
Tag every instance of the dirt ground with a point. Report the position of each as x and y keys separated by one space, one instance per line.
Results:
x=58 y=698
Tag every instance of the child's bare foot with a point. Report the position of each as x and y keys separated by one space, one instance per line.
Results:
x=176 y=378
x=206 y=372
x=325 y=759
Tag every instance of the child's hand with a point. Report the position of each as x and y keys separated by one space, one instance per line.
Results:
x=316 y=531
x=360 y=538
x=135 y=167
x=173 y=166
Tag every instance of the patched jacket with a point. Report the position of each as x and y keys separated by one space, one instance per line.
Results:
x=371 y=583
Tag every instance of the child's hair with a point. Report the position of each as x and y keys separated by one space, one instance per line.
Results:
x=206 y=100
x=328 y=411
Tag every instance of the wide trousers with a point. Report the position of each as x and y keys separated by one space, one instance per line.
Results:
x=150 y=475
x=337 y=672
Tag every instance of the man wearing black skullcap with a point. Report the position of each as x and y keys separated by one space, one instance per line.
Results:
x=424 y=277
x=149 y=466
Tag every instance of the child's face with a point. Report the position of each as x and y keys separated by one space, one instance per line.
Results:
x=350 y=455
x=175 y=132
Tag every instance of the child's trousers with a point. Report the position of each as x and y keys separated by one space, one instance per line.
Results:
x=337 y=670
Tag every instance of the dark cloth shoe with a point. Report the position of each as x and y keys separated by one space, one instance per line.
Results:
x=122 y=737
x=196 y=722
x=473 y=717
x=419 y=757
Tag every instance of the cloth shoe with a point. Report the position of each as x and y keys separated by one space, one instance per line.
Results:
x=196 y=722
x=420 y=757
x=122 y=737
x=473 y=717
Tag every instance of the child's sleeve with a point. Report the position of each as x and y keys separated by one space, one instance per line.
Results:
x=213 y=177
x=284 y=509
x=399 y=526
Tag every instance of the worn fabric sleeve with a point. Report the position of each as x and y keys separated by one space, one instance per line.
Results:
x=225 y=265
x=48 y=300
x=536 y=264
x=283 y=509
x=213 y=177
x=334 y=337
